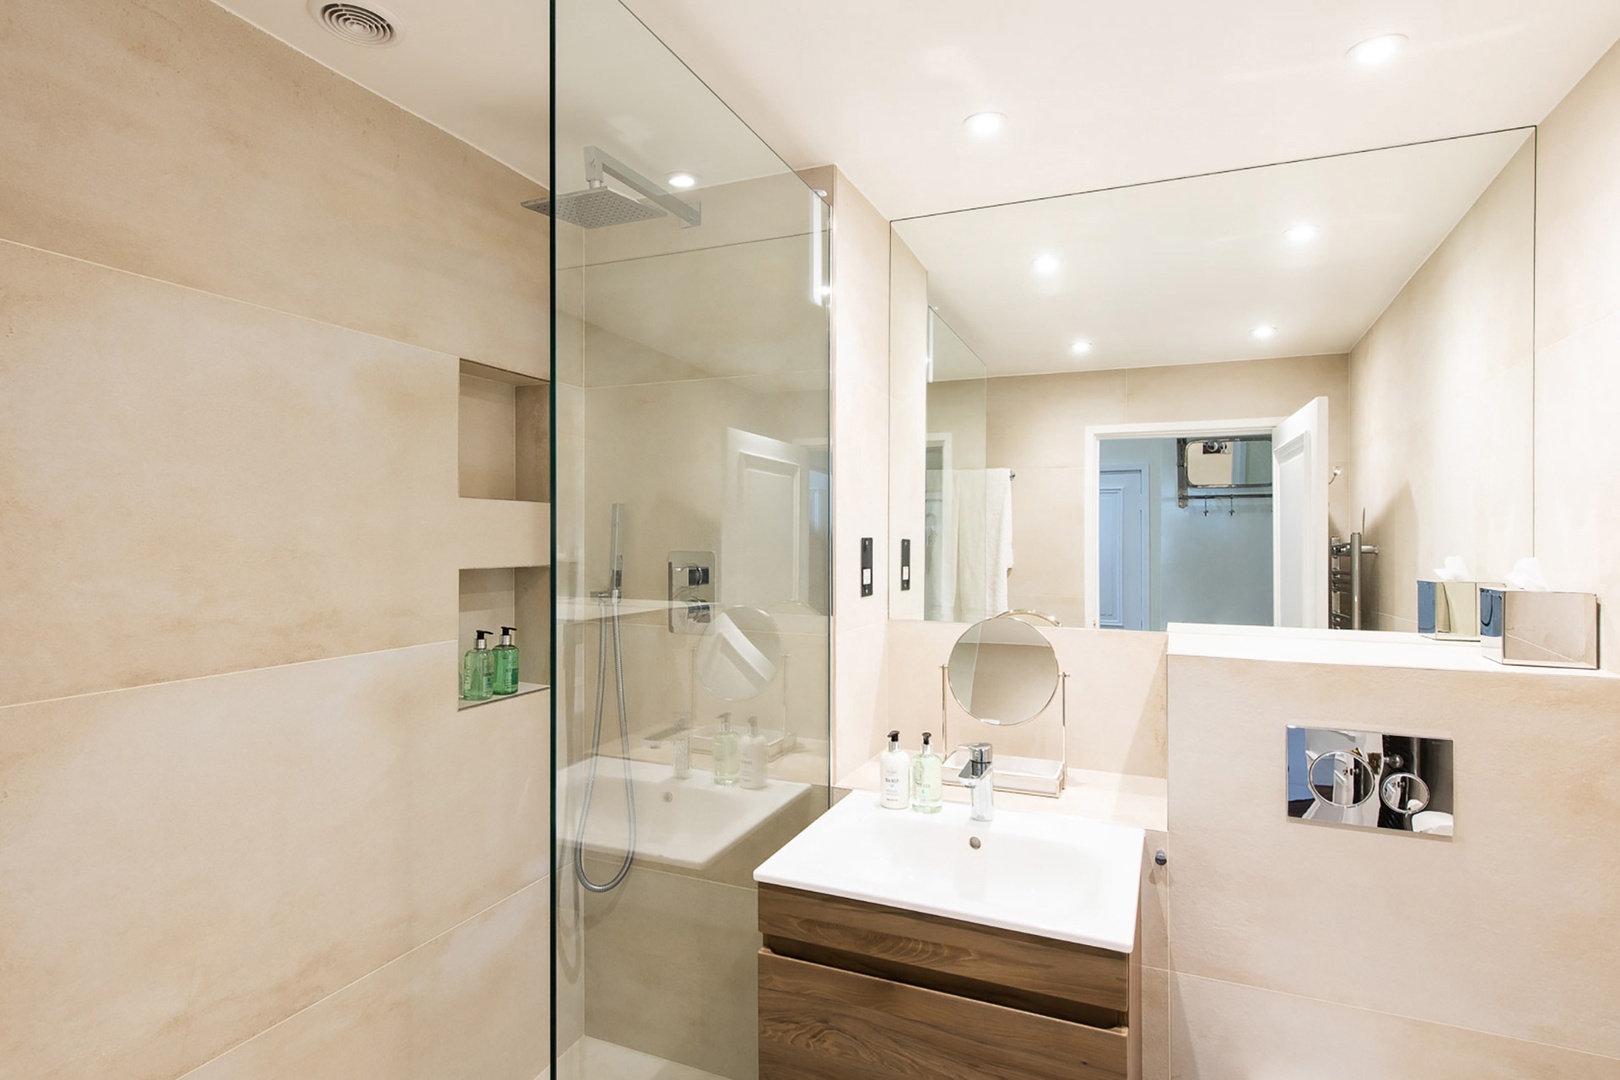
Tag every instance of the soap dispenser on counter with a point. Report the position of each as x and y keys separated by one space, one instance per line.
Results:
x=927 y=795
x=478 y=671
x=894 y=775
x=755 y=766
x=506 y=662
x=727 y=753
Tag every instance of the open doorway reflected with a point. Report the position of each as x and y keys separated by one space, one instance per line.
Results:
x=1173 y=552
x=1228 y=503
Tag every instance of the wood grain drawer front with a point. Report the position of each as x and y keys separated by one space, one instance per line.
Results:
x=1054 y=978
x=820 y=1023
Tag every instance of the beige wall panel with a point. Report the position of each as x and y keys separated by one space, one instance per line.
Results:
x=860 y=349
x=1577 y=331
x=860 y=718
x=908 y=423
x=503 y=532
x=487 y=429
x=172 y=139
x=1578 y=206
x=196 y=860
x=1492 y=931
x=1116 y=699
x=1220 y=1030
x=470 y=1004
x=1441 y=403
x=198 y=485
x=663 y=953
x=1577 y=485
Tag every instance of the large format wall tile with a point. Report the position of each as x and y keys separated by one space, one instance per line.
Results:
x=197 y=485
x=672 y=966
x=472 y=1004
x=172 y=139
x=1500 y=929
x=1221 y=1031
x=1578 y=206
x=193 y=861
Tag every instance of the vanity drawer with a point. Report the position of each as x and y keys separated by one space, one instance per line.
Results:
x=821 y=1023
x=1057 y=979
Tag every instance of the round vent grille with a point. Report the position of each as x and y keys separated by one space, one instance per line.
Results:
x=355 y=23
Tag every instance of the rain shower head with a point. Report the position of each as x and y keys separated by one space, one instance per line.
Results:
x=599 y=205
x=595 y=208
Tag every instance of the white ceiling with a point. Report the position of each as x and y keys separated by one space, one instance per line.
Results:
x=477 y=68
x=1103 y=92
x=1182 y=272
x=1097 y=93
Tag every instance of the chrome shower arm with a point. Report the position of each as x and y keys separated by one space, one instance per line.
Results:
x=598 y=162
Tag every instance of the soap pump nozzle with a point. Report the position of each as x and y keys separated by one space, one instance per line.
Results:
x=894 y=741
x=725 y=721
x=506 y=634
x=753 y=727
x=481 y=643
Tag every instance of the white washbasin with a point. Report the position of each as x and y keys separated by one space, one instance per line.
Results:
x=687 y=823
x=1050 y=875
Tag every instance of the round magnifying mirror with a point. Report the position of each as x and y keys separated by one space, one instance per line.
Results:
x=1003 y=671
x=739 y=653
x=1341 y=778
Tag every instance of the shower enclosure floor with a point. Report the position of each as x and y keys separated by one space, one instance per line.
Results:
x=595 y=1059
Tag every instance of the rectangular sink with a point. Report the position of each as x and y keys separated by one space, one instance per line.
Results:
x=687 y=823
x=1050 y=875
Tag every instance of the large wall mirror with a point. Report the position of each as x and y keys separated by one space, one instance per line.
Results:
x=1174 y=402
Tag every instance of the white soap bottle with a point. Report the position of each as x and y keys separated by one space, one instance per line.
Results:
x=895 y=772
x=755 y=759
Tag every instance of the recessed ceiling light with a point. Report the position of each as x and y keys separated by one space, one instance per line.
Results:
x=1080 y=347
x=1046 y=265
x=1263 y=333
x=1302 y=234
x=682 y=180
x=985 y=124
x=1378 y=50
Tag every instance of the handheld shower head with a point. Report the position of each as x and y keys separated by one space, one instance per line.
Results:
x=616 y=551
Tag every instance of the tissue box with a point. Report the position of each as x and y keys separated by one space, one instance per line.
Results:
x=1449 y=610
x=1539 y=629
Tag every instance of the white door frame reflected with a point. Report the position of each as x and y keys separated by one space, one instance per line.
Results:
x=1169 y=429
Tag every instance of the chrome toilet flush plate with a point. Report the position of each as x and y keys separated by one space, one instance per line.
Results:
x=1370 y=780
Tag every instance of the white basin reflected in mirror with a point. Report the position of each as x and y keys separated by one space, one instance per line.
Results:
x=688 y=823
x=1050 y=875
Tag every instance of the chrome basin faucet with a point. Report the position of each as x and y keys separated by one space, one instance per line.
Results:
x=979 y=777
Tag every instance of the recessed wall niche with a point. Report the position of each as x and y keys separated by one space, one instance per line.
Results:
x=505 y=429
x=511 y=596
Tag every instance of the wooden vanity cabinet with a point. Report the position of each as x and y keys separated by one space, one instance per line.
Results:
x=857 y=991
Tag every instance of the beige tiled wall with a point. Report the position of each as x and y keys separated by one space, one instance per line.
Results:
x=1441 y=402
x=1577 y=509
x=244 y=828
x=1493 y=944
x=1116 y=699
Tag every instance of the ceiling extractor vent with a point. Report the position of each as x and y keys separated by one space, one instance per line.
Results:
x=356 y=23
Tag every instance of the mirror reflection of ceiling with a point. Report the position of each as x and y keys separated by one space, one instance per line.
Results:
x=1186 y=272
x=1099 y=93
x=1095 y=93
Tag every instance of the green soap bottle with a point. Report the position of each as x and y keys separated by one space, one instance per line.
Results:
x=727 y=753
x=506 y=662
x=478 y=671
